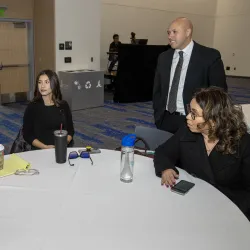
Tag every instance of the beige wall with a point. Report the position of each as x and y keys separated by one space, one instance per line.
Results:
x=203 y=7
x=150 y=19
x=44 y=35
x=22 y=9
x=78 y=21
x=232 y=36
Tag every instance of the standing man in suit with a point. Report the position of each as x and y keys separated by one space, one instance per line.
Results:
x=182 y=70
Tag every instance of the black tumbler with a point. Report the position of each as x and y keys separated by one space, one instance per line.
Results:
x=61 y=145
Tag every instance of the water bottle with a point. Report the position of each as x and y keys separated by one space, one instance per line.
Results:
x=127 y=158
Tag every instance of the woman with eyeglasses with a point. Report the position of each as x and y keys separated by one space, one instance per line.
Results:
x=214 y=146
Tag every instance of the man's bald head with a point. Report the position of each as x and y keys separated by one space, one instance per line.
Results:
x=180 y=33
x=184 y=22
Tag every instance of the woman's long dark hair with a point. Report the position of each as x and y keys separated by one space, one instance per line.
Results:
x=54 y=84
x=225 y=120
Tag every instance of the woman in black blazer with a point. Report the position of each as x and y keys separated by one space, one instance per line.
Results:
x=214 y=145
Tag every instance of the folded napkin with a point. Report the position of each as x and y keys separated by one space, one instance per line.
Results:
x=12 y=164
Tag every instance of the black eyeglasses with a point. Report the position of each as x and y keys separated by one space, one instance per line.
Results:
x=83 y=154
x=192 y=113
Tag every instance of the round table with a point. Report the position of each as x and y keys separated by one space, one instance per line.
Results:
x=88 y=207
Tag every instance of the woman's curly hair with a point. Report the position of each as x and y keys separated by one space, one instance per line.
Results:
x=224 y=119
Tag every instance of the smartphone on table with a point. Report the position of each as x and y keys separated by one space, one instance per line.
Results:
x=182 y=187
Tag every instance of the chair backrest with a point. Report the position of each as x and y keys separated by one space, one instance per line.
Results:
x=246 y=111
x=152 y=136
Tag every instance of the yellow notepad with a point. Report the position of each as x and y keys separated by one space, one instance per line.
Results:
x=12 y=164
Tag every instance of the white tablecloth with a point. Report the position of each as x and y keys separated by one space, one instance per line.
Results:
x=88 y=207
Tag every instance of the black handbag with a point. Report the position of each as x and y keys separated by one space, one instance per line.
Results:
x=20 y=145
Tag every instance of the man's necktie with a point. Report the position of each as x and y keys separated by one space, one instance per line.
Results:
x=175 y=85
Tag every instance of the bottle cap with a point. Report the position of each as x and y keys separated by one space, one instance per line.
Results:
x=129 y=140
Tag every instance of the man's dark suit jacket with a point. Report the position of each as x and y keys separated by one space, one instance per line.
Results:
x=205 y=69
x=228 y=173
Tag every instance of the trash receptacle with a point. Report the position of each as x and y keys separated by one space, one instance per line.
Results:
x=82 y=89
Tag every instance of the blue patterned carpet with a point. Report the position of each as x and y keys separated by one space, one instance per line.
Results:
x=104 y=127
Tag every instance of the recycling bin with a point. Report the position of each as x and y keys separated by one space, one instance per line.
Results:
x=82 y=89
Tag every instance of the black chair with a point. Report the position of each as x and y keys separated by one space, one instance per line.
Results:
x=152 y=137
